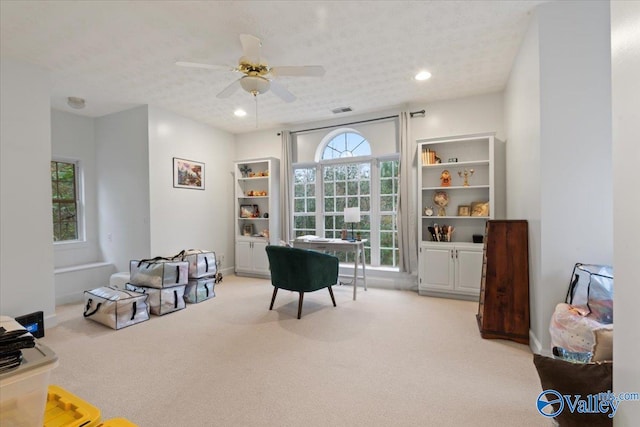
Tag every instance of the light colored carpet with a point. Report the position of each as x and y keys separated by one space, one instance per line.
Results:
x=391 y=358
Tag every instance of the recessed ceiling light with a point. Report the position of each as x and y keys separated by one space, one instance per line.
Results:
x=240 y=112
x=423 y=75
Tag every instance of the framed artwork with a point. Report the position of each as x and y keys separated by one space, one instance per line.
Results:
x=464 y=210
x=247 y=230
x=188 y=174
x=480 y=209
x=248 y=211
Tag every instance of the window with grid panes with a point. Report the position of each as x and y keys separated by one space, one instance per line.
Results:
x=64 y=201
x=349 y=184
x=304 y=201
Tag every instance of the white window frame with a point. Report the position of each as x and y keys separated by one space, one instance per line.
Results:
x=374 y=187
x=80 y=204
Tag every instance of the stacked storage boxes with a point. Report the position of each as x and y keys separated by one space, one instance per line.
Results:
x=163 y=280
x=116 y=308
x=202 y=274
x=23 y=389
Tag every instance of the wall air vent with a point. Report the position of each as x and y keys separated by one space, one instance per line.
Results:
x=341 y=110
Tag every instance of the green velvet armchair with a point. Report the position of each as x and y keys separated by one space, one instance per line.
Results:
x=301 y=270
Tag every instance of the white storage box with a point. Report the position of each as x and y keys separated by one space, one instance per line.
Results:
x=202 y=263
x=158 y=273
x=114 y=307
x=23 y=391
x=198 y=290
x=119 y=279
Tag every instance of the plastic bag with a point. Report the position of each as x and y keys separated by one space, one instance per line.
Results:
x=591 y=291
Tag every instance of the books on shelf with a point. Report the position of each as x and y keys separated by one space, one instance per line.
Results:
x=428 y=157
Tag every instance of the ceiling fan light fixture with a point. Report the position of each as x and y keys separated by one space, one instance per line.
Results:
x=75 y=102
x=239 y=113
x=423 y=75
x=255 y=85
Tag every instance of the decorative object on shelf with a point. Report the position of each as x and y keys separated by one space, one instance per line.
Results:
x=248 y=211
x=466 y=173
x=352 y=215
x=244 y=170
x=452 y=160
x=441 y=233
x=478 y=238
x=464 y=210
x=188 y=174
x=256 y=193
x=265 y=215
x=441 y=199
x=256 y=212
x=265 y=233
x=428 y=211
x=247 y=229
x=445 y=178
x=479 y=208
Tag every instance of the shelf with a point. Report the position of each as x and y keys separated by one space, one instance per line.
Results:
x=456 y=187
x=253 y=219
x=434 y=217
x=253 y=197
x=253 y=178
x=461 y=164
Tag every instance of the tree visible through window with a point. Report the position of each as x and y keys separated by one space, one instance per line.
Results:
x=64 y=198
x=347 y=176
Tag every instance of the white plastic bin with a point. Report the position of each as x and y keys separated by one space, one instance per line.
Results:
x=23 y=391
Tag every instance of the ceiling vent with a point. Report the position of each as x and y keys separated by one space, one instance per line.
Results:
x=341 y=110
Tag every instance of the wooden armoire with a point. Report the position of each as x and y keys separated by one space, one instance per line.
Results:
x=503 y=311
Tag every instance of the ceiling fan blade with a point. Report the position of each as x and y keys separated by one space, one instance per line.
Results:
x=251 y=47
x=303 y=70
x=229 y=90
x=207 y=66
x=281 y=92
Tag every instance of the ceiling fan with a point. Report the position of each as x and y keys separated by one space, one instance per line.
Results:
x=258 y=76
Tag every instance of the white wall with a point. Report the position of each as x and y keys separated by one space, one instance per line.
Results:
x=186 y=218
x=567 y=193
x=122 y=152
x=522 y=125
x=625 y=51
x=73 y=138
x=26 y=252
x=462 y=116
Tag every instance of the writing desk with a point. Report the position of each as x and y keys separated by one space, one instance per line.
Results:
x=338 y=245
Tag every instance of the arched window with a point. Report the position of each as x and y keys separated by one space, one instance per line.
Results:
x=345 y=144
x=346 y=174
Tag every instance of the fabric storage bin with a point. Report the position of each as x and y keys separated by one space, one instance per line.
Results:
x=158 y=272
x=202 y=263
x=116 y=308
x=198 y=290
x=162 y=301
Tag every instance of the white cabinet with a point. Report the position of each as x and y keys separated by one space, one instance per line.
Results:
x=251 y=257
x=449 y=269
x=257 y=222
x=451 y=264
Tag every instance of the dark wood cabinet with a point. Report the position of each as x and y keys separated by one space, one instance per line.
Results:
x=503 y=310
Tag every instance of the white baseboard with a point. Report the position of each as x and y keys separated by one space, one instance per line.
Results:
x=536 y=347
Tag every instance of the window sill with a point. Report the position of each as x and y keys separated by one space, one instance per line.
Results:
x=70 y=245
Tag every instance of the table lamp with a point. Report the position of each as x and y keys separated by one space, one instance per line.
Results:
x=352 y=215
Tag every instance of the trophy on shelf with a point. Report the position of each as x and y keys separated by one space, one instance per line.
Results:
x=466 y=173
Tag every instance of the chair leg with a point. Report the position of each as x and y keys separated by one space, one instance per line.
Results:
x=332 y=298
x=273 y=298
x=300 y=304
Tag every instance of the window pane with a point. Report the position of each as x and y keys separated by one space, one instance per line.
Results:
x=386 y=222
x=298 y=205
x=365 y=204
x=311 y=205
x=63 y=195
x=340 y=204
x=298 y=190
x=340 y=188
x=386 y=186
x=329 y=189
x=328 y=222
x=311 y=190
x=386 y=240
x=386 y=203
x=365 y=187
x=329 y=204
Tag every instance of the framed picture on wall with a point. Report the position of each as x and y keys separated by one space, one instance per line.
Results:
x=188 y=174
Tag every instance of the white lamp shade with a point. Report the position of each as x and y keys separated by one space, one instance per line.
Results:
x=352 y=214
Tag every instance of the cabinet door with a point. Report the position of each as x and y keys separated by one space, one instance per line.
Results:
x=437 y=268
x=468 y=270
x=260 y=259
x=243 y=256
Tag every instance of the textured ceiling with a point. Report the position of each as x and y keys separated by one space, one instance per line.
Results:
x=121 y=54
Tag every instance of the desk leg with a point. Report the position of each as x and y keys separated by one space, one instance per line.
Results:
x=355 y=270
x=364 y=274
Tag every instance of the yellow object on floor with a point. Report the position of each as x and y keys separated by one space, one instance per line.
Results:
x=65 y=409
x=117 y=422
